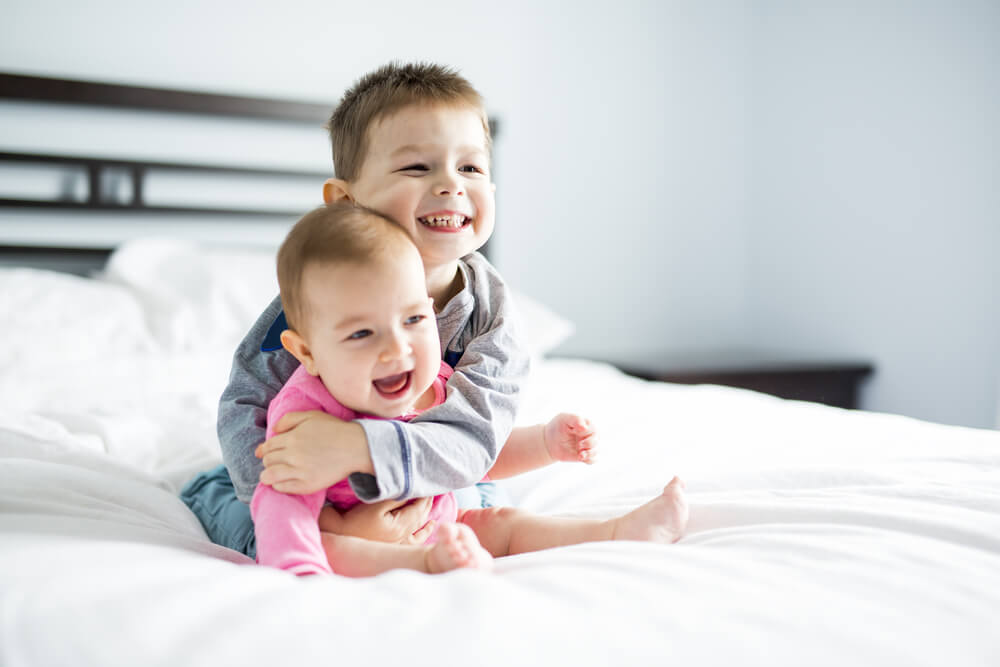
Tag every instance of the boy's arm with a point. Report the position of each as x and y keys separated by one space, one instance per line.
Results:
x=453 y=445
x=311 y=450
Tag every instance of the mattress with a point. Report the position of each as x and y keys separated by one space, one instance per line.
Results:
x=818 y=536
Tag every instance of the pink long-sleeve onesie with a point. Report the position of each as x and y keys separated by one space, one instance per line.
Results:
x=286 y=525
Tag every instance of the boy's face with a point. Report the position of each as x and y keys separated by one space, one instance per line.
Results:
x=427 y=168
x=372 y=338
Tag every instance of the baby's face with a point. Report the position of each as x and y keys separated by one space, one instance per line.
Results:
x=427 y=167
x=372 y=333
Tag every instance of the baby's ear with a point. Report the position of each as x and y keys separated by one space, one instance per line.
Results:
x=299 y=348
x=336 y=189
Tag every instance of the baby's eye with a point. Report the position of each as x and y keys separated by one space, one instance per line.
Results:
x=414 y=167
x=415 y=319
x=471 y=169
x=361 y=333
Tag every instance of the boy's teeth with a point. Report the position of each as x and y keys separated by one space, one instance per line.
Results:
x=444 y=220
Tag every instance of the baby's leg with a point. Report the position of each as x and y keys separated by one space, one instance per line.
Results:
x=663 y=519
x=504 y=530
x=456 y=547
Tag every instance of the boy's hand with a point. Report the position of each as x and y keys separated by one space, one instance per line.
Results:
x=311 y=451
x=393 y=521
x=570 y=438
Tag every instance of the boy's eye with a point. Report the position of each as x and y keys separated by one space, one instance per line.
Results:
x=471 y=169
x=416 y=319
x=361 y=333
x=414 y=167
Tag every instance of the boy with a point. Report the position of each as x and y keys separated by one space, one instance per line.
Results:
x=371 y=348
x=412 y=142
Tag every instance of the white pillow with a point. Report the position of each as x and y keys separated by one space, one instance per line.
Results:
x=52 y=318
x=199 y=296
x=195 y=296
x=542 y=329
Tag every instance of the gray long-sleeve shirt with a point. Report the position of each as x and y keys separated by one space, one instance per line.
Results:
x=448 y=447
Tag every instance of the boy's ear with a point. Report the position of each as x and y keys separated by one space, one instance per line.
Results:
x=299 y=349
x=336 y=189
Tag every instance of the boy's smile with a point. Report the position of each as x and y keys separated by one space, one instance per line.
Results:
x=445 y=221
x=427 y=167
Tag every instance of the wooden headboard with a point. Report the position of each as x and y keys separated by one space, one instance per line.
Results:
x=108 y=186
x=96 y=170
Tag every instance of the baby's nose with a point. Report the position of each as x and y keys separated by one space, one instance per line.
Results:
x=396 y=347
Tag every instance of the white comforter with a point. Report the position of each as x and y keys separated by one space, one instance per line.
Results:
x=817 y=536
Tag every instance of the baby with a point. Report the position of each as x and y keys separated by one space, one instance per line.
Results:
x=370 y=348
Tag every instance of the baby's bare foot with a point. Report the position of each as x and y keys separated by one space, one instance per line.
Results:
x=662 y=519
x=456 y=546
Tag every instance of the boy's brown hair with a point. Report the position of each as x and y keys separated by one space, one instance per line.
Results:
x=337 y=233
x=386 y=90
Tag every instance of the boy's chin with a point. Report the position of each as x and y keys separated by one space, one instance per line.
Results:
x=447 y=254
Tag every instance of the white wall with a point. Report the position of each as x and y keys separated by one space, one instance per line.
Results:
x=620 y=157
x=876 y=195
x=671 y=174
x=622 y=178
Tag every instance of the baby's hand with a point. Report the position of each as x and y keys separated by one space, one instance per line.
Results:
x=570 y=438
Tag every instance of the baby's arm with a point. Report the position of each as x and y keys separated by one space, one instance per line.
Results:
x=452 y=445
x=566 y=437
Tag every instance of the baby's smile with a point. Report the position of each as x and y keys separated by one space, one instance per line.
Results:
x=393 y=386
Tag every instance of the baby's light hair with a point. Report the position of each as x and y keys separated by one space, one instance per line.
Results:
x=386 y=90
x=338 y=233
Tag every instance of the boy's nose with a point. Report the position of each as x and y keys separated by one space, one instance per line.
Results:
x=448 y=185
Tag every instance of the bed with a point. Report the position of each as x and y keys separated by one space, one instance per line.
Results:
x=818 y=536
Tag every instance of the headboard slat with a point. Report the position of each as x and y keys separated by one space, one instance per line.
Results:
x=70 y=91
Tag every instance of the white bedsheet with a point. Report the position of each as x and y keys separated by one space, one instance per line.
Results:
x=817 y=537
